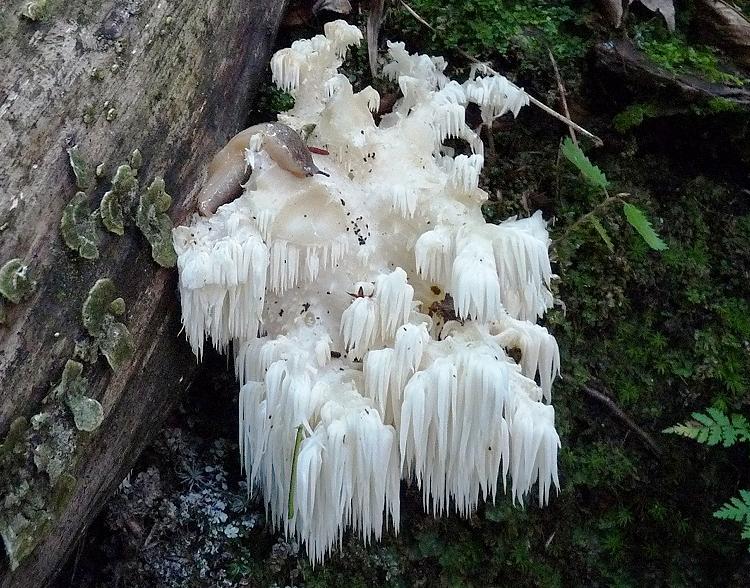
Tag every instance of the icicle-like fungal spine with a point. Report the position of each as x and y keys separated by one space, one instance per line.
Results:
x=496 y=95
x=286 y=65
x=475 y=283
x=342 y=36
x=394 y=295
x=370 y=307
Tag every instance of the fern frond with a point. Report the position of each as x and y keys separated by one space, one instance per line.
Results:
x=640 y=223
x=589 y=171
x=713 y=428
x=737 y=509
x=602 y=232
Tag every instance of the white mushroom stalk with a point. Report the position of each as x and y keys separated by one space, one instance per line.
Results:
x=322 y=287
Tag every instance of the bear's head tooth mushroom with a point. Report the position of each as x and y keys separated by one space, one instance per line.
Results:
x=323 y=285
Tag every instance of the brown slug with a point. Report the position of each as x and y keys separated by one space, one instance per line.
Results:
x=228 y=170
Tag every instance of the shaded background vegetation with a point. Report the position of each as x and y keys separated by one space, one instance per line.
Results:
x=662 y=334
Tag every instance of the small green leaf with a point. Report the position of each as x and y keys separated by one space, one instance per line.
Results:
x=640 y=223
x=589 y=171
x=602 y=233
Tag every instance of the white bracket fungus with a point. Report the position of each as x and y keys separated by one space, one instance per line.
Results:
x=322 y=284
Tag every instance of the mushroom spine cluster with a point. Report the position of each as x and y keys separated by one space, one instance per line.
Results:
x=332 y=295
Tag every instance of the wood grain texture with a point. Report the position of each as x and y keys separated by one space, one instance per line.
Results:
x=172 y=78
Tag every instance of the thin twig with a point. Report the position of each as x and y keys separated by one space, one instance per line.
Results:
x=490 y=142
x=619 y=413
x=563 y=93
x=534 y=101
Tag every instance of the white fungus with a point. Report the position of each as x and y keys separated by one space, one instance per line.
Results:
x=323 y=286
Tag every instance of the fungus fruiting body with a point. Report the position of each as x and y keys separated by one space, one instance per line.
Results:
x=320 y=286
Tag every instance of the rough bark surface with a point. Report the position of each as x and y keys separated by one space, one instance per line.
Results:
x=170 y=78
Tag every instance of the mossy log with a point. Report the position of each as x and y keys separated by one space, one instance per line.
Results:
x=621 y=61
x=88 y=87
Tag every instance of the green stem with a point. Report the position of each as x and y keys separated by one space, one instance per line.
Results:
x=608 y=201
x=293 y=481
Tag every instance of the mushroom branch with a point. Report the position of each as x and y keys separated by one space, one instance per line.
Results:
x=324 y=287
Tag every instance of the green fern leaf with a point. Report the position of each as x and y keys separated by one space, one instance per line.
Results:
x=602 y=232
x=742 y=426
x=640 y=223
x=589 y=171
x=704 y=419
x=683 y=431
x=736 y=509
x=713 y=428
x=704 y=437
x=726 y=431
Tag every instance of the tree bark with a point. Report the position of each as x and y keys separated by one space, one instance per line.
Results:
x=171 y=79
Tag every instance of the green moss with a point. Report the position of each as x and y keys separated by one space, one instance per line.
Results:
x=117 y=202
x=154 y=222
x=718 y=105
x=676 y=55
x=634 y=116
x=80 y=168
x=15 y=283
x=112 y=338
x=78 y=227
x=504 y=27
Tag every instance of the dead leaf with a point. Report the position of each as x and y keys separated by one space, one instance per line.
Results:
x=665 y=7
x=613 y=10
x=728 y=28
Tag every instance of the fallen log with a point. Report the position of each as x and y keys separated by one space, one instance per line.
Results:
x=642 y=78
x=100 y=99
